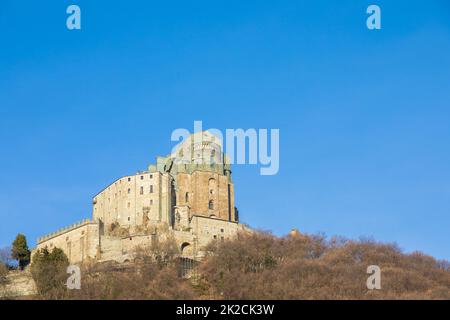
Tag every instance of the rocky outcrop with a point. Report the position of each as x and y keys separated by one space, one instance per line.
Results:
x=18 y=284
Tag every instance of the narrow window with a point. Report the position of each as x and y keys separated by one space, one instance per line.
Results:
x=212 y=185
x=142 y=190
x=129 y=190
x=151 y=189
x=211 y=205
x=142 y=177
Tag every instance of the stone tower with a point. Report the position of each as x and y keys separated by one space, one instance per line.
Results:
x=202 y=178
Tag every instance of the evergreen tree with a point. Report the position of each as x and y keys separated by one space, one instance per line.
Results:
x=20 y=251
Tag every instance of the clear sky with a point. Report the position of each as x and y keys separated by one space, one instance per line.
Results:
x=363 y=115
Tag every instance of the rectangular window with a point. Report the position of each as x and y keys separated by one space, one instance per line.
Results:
x=69 y=250
x=129 y=191
x=142 y=177
x=142 y=190
x=82 y=248
x=129 y=179
x=151 y=189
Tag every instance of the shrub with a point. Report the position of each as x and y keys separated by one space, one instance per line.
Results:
x=262 y=266
x=255 y=266
x=49 y=271
x=153 y=275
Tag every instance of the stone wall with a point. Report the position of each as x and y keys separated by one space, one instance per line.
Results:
x=207 y=194
x=207 y=229
x=79 y=243
x=131 y=200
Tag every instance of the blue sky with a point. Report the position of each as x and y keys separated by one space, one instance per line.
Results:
x=363 y=115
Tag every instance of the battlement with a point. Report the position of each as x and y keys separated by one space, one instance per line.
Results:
x=61 y=231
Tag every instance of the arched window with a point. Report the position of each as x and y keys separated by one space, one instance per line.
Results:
x=212 y=159
x=211 y=205
x=212 y=185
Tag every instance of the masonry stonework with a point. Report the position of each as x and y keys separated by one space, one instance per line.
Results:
x=188 y=195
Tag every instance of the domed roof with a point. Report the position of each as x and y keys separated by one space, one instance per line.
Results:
x=200 y=147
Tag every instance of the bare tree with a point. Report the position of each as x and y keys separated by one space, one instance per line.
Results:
x=5 y=256
x=5 y=261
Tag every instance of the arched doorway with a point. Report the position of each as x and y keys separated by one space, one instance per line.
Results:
x=186 y=249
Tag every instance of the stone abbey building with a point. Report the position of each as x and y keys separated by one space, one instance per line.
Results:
x=188 y=195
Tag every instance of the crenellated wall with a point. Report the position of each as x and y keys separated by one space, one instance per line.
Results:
x=79 y=243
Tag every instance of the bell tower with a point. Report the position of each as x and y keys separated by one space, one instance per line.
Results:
x=203 y=178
